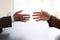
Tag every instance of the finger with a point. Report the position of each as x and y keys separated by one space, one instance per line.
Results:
x=26 y=17
x=19 y=11
x=36 y=12
x=25 y=20
x=25 y=14
x=40 y=19
x=36 y=18
x=43 y=11
x=35 y=15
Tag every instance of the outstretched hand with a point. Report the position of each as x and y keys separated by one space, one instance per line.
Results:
x=21 y=17
x=41 y=16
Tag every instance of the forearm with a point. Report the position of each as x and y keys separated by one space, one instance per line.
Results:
x=54 y=22
x=5 y=22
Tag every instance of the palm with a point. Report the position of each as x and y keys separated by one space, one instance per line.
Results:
x=21 y=17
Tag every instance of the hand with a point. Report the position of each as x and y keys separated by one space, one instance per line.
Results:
x=41 y=16
x=21 y=17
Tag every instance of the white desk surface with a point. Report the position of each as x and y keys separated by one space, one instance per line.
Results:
x=26 y=31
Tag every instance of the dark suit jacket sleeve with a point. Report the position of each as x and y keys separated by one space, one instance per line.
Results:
x=54 y=22
x=5 y=22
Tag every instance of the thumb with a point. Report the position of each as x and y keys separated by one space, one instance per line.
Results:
x=42 y=11
x=19 y=11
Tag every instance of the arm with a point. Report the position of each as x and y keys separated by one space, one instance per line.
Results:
x=54 y=22
x=5 y=22
x=45 y=16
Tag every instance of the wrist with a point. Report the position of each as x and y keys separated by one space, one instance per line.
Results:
x=15 y=18
x=50 y=20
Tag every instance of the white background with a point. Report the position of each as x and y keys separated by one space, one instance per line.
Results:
x=32 y=30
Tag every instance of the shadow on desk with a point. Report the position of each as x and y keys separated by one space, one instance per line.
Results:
x=58 y=38
x=4 y=36
x=7 y=37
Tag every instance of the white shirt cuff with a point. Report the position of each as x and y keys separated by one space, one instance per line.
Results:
x=10 y=14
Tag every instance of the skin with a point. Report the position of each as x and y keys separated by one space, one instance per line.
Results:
x=21 y=17
x=41 y=16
